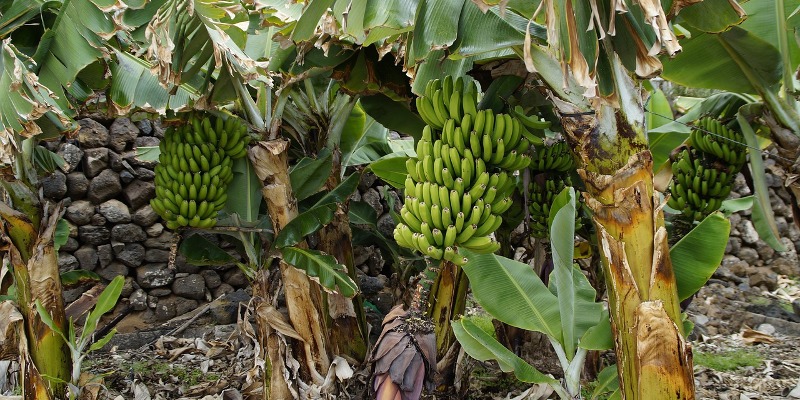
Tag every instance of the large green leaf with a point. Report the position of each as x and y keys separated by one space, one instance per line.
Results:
x=698 y=254
x=340 y=193
x=393 y=115
x=576 y=297
x=599 y=337
x=309 y=19
x=20 y=12
x=712 y=15
x=330 y=274
x=309 y=174
x=659 y=113
x=763 y=217
x=607 y=381
x=391 y=170
x=435 y=27
x=62 y=233
x=498 y=92
x=247 y=189
x=362 y=213
x=762 y=21
x=483 y=347
x=511 y=292
x=200 y=251
x=134 y=87
x=304 y=224
x=363 y=143
x=735 y=60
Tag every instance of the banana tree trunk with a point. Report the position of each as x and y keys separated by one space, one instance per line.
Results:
x=447 y=301
x=303 y=299
x=654 y=361
x=347 y=321
x=35 y=267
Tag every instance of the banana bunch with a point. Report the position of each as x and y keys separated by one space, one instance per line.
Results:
x=446 y=99
x=542 y=190
x=556 y=156
x=194 y=170
x=722 y=142
x=699 y=183
x=451 y=202
x=497 y=139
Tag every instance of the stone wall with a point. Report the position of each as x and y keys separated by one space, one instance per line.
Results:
x=113 y=229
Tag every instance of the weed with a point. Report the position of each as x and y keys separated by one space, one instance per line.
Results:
x=728 y=360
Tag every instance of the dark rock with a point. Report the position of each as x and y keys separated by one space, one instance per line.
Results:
x=145 y=127
x=182 y=266
x=749 y=255
x=70 y=246
x=734 y=244
x=370 y=285
x=163 y=241
x=72 y=294
x=192 y=286
x=796 y=307
x=145 y=216
x=67 y=262
x=183 y=306
x=151 y=276
x=212 y=278
x=98 y=220
x=54 y=186
x=386 y=225
x=128 y=287
x=104 y=186
x=361 y=254
x=367 y=180
x=160 y=292
x=736 y=266
x=105 y=255
x=95 y=161
x=80 y=212
x=128 y=233
x=92 y=134
x=144 y=174
x=383 y=300
x=118 y=247
x=132 y=255
x=372 y=198
x=113 y=270
x=226 y=310
x=765 y=251
x=765 y=278
x=235 y=277
x=782 y=225
x=116 y=162
x=156 y=255
x=87 y=257
x=395 y=199
x=783 y=266
x=138 y=193
x=158 y=129
x=72 y=156
x=154 y=230
x=138 y=300
x=115 y=211
x=146 y=141
x=126 y=177
x=222 y=290
x=165 y=309
x=96 y=235
x=122 y=132
x=749 y=234
x=77 y=185
x=73 y=229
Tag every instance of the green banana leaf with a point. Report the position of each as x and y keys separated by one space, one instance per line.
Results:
x=698 y=254
x=322 y=268
x=731 y=206
x=309 y=174
x=62 y=234
x=511 y=292
x=201 y=252
x=362 y=213
x=393 y=115
x=599 y=337
x=307 y=24
x=391 y=170
x=134 y=87
x=763 y=22
x=763 y=217
x=712 y=16
x=498 y=92
x=244 y=191
x=482 y=347
x=364 y=139
x=435 y=27
x=576 y=296
x=735 y=60
x=607 y=381
x=659 y=113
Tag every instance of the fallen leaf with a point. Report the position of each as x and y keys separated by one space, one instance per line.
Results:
x=750 y=336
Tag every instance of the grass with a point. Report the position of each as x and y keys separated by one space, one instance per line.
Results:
x=186 y=376
x=728 y=360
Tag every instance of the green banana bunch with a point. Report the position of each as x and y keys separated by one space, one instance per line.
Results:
x=722 y=143
x=544 y=187
x=194 y=170
x=555 y=156
x=699 y=183
x=447 y=99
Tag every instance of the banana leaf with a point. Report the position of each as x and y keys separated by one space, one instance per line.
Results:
x=308 y=175
x=391 y=170
x=698 y=254
x=322 y=268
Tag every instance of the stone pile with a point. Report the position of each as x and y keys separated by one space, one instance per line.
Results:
x=106 y=190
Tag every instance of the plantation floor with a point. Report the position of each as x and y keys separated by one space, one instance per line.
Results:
x=739 y=354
